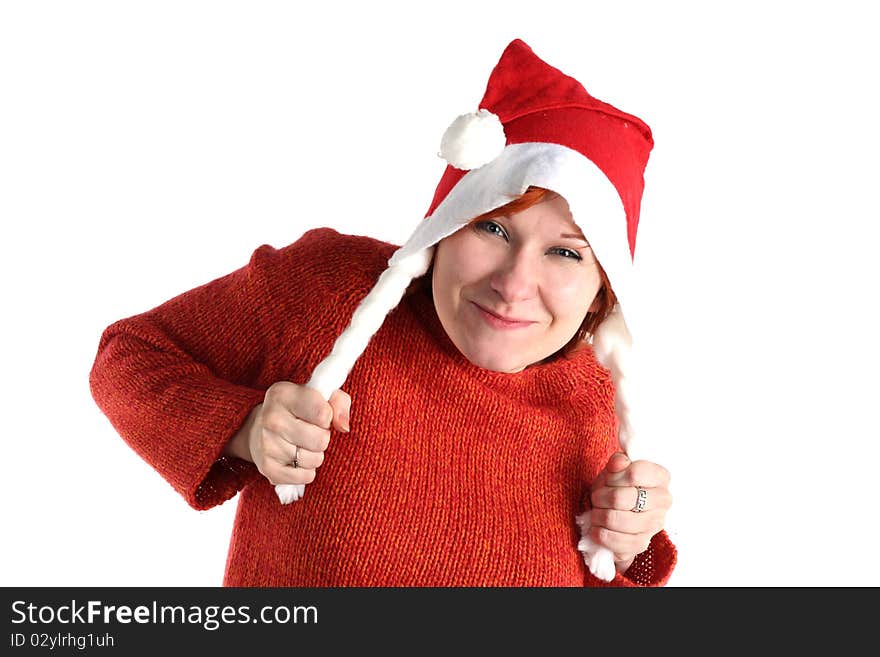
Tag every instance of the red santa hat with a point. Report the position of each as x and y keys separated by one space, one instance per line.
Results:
x=535 y=126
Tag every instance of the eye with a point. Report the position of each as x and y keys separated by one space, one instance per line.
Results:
x=567 y=253
x=491 y=227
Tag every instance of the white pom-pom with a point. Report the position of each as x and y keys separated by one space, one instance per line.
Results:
x=473 y=139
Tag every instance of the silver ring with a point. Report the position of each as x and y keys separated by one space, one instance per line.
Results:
x=295 y=462
x=641 y=500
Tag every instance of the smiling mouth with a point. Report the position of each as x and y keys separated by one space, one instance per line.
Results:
x=500 y=322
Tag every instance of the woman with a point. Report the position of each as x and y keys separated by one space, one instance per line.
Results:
x=475 y=441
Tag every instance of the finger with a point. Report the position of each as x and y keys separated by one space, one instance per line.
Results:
x=617 y=462
x=277 y=448
x=624 y=546
x=281 y=474
x=340 y=401
x=607 y=497
x=305 y=403
x=275 y=465
x=626 y=522
x=598 y=482
x=639 y=473
x=278 y=421
x=624 y=498
x=312 y=407
x=306 y=459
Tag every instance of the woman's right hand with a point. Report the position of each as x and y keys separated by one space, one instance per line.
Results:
x=293 y=421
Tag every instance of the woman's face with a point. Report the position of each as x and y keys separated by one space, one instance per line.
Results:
x=532 y=266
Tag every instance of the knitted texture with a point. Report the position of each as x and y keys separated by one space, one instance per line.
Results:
x=451 y=475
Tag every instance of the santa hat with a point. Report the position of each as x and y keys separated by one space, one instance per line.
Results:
x=535 y=126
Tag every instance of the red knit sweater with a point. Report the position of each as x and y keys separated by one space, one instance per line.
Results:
x=452 y=475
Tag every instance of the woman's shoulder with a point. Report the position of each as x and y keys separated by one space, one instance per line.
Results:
x=327 y=258
x=313 y=286
x=325 y=236
x=325 y=274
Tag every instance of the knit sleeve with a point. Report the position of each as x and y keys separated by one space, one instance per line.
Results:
x=654 y=566
x=651 y=568
x=177 y=381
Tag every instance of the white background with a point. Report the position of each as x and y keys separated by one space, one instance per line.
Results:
x=149 y=147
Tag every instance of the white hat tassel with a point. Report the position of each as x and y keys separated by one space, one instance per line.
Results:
x=612 y=344
x=331 y=372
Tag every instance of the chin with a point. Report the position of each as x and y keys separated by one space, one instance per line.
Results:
x=495 y=363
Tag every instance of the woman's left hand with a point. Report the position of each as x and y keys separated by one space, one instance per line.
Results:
x=615 y=522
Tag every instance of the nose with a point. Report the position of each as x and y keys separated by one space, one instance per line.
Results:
x=516 y=278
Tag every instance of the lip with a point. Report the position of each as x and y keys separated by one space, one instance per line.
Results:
x=498 y=322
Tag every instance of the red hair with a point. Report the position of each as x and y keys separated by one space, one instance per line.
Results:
x=605 y=297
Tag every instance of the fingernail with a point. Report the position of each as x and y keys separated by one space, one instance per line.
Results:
x=345 y=422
